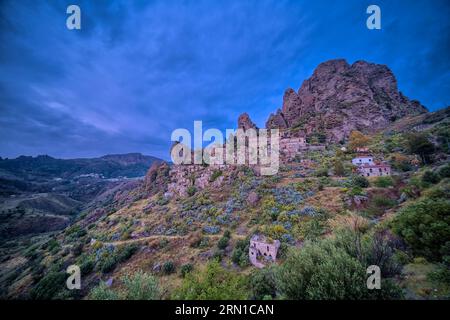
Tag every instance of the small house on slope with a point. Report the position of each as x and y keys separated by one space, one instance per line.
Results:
x=262 y=250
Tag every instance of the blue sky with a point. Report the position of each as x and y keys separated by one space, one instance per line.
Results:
x=139 y=69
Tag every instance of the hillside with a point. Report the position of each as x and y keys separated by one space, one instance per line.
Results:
x=189 y=231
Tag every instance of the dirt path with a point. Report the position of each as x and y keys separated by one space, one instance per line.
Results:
x=159 y=237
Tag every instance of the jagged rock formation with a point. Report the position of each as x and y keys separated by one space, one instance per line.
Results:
x=157 y=178
x=244 y=122
x=340 y=97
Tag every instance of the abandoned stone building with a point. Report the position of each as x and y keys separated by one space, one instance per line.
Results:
x=374 y=170
x=262 y=250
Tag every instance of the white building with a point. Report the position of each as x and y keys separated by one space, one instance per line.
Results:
x=360 y=160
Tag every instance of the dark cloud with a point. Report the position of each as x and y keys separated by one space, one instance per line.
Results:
x=139 y=69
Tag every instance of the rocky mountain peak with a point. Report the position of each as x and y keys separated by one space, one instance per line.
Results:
x=340 y=97
x=244 y=122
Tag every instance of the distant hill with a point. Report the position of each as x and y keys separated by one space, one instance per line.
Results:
x=128 y=165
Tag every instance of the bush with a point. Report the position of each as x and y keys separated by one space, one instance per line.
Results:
x=186 y=268
x=215 y=175
x=103 y=292
x=321 y=271
x=218 y=254
x=262 y=283
x=108 y=264
x=126 y=252
x=48 y=287
x=191 y=191
x=384 y=182
x=429 y=177
x=223 y=242
x=327 y=270
x=213 y=283
x=168 y=267
x=444 y=172
x=87 y=266
x=383 y=202
x=240 y=253
x=321 y=172
x=139 y=286
x=359 y=181
x=425 y=226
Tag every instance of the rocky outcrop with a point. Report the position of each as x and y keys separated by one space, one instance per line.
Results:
x=244 y=122
x=182 y=177
x=157 y=178
x=339 y=98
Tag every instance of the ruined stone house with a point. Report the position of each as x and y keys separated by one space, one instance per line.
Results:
x=374 y=170
x=262 y=250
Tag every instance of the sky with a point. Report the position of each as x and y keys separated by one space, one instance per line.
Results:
x=137 y=70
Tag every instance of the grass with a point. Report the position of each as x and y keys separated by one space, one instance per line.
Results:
x=418 y=285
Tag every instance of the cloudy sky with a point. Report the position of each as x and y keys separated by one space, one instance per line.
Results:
x=139 y=69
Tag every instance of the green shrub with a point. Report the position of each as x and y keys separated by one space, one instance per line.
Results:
x=191 y=190
x=429 y=177
x=262 y=283
x=321 y=172
x=186 y=268
x=48 y=287
x=139 y=286
x=168 y=267
x=383 y=202
x=87 y=266
x=53 y=246
x=126 y=252
x=108 y=264
x=326 y=270
x=359 y=181
x=425 y=226
x=218 y=254
x=213 y=283
x=444 y=172
x=215 y=175
x=103 y=292
x=384 y=182
x=223 y=242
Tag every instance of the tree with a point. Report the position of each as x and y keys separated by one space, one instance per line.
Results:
x=358 y=140
x=419 y=144
x=262 y=283
x=338 y=167
x=425 y=226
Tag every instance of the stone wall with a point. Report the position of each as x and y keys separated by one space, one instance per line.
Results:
x=184 y=176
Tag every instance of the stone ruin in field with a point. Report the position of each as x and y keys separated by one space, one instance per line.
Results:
x=262 y=250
